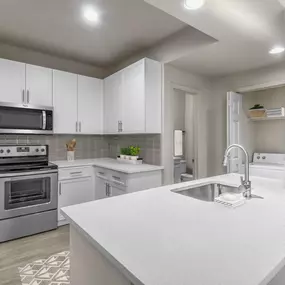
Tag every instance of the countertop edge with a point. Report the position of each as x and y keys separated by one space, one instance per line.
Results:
x=131 y=277
x=152 y=168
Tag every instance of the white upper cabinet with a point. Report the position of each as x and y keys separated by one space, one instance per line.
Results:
x=12 y=81
x=65 y=102
x=90 y=105
x=132 y=99
x=38 y=85
x=133 y=119
x=113 y=101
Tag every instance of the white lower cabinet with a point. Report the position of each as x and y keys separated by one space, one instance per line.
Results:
x=75 y=187
x=111 y=183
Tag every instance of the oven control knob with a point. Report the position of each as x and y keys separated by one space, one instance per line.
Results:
x=37 y=150
x=8 y=150
x=42 y=150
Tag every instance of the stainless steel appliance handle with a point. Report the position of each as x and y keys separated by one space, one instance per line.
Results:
x=29 y=175
x=59 y=190
x=23 y=96
x=76 y=126
x=28 y=96
x=44 y=120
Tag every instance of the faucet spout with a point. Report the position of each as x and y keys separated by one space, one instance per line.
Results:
x=245 y=182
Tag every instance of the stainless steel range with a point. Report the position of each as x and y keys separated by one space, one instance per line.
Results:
x=28 y=191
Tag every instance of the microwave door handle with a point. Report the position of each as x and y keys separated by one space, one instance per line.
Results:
x=44 y=120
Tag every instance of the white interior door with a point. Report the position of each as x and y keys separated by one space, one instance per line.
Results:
x=233 y=130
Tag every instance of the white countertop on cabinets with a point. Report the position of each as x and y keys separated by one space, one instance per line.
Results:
x=163 y=238
x=109 y=163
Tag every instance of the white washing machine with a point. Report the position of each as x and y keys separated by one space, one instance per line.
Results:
x=270 y=165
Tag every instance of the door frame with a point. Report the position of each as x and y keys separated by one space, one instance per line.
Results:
x=195 y=93
x=261 y=86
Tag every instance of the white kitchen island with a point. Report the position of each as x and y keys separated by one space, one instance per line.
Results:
x=157 y=237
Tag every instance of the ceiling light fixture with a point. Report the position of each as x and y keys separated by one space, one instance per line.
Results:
x=90 y=14
x=193 y=4
x=277 y=49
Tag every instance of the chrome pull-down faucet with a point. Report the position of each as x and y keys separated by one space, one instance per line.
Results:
x=245 y=183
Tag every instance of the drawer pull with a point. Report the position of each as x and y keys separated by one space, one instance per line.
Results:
x=117 y=178
x=119 y=182
x=76 y=173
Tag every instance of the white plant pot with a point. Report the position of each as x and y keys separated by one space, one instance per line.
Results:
x=70 y=155
x=122 y=156
x=134 y=157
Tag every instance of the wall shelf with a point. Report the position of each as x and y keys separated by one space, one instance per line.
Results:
x=267 y=118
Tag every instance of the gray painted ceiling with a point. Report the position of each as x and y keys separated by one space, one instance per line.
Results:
x=56 y=27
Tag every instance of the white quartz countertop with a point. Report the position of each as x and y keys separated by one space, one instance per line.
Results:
x=162 y=238
x=109 y=163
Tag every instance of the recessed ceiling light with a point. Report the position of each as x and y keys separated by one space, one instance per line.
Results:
x=90 y=14
x=193 y=4
x=277 y=49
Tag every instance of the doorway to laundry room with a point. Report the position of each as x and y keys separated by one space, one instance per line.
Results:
x=256 y=120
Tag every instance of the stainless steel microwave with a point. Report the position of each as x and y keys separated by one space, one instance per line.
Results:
x=19 y=119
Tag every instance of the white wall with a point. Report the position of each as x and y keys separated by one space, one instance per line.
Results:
x=174 y=76
x=274 y=74
x=46 y=60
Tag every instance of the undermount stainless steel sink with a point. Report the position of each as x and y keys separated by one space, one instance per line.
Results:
x=207 y=192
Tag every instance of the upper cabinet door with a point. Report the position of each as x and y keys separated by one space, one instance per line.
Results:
x=90 y=105
x=113 y=103
x=38 y=85
x=134 y=99
x=12 y=82
x=65 y=102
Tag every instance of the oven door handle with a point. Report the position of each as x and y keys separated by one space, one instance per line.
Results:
x=44 y=120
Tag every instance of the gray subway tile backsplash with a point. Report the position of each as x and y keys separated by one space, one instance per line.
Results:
x=91 y=146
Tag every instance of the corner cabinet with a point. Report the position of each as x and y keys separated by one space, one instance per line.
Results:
x=78 y=104
x=132 y=99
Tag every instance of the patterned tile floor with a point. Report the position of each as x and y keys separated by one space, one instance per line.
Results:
x=51 y=271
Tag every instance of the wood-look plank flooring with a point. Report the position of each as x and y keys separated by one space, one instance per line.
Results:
x=17 y=253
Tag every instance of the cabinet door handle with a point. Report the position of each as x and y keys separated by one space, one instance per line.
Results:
x=80 y=127
x=121 y=126
x=23 y=96
x=59 y=190
x=106 y=186
x=118 y=126
x=76 y=126
x=28 y=96
x=109 y=190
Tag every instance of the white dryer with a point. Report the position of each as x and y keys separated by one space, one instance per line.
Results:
x=270 y=165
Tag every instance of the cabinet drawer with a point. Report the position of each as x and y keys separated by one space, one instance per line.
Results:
x=118 y=178
x=74 y=172
x=102 y=173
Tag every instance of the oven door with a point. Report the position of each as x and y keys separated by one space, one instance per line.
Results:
x=27 y=194
x=25 y=120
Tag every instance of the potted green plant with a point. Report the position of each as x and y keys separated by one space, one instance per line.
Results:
x=130 y=153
